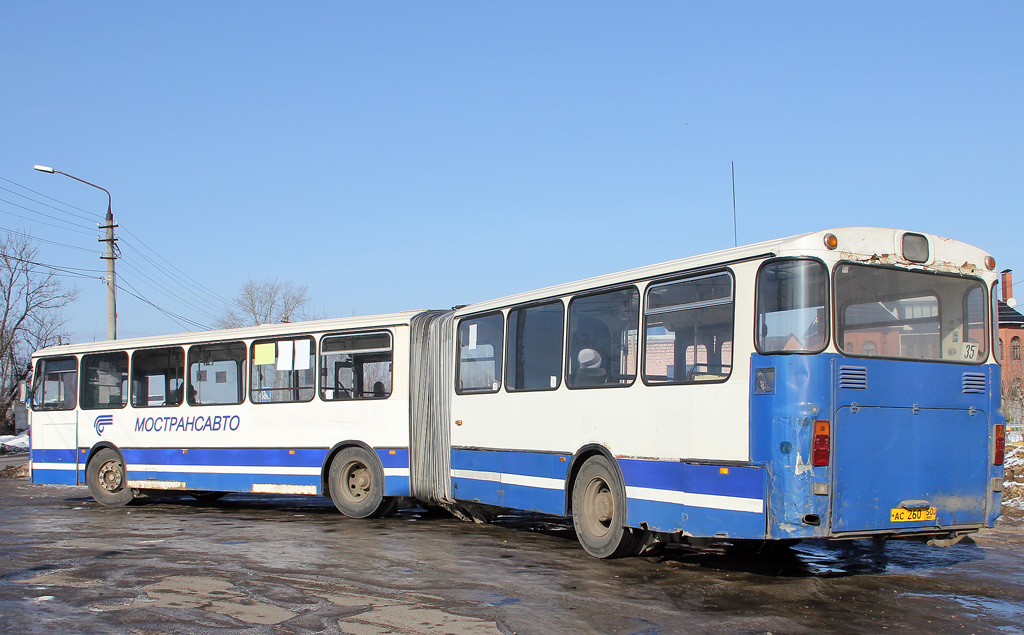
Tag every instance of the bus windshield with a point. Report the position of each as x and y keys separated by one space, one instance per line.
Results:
x=883 y=312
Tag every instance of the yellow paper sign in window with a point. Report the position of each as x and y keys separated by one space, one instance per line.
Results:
x=263 y=354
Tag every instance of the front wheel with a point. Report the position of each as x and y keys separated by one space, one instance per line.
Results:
x=107 y=479
x=599 y=511
x=356 y=483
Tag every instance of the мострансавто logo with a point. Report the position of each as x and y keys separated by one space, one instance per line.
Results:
x=101 y=422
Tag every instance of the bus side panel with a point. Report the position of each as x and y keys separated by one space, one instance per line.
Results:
x=396 y=471
x=534 y=481
x=52 y=447
x=250 y=469
x=476 y=475
x=788 y=393
x=697 y=499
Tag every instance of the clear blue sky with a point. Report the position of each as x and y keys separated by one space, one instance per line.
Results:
x=419 y=155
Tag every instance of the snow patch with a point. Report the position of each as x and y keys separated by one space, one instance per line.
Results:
x=1013 y=483
x=11 y=444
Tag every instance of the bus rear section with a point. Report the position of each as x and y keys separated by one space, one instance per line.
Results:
x=897 y=432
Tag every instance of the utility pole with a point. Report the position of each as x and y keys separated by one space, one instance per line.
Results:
x=111 y=252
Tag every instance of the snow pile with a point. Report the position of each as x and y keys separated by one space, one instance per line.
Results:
x=1013 y=484
x=10 y=444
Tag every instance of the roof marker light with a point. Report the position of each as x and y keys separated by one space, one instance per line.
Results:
x=990 y=262
x=831 y=241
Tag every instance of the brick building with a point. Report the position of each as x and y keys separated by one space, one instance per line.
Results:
x=1011 y=340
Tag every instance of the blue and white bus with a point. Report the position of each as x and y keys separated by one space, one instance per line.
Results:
x=838 y=384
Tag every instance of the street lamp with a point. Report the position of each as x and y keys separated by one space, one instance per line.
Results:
x=109 y=257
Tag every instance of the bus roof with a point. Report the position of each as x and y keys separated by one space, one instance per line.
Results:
x=247 y=332
x=874 y=244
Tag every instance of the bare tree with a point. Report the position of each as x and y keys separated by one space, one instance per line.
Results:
x=266 y=302
x=31 y=301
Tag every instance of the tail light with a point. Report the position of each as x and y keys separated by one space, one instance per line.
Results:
x=1000 y=453
x=821 y=447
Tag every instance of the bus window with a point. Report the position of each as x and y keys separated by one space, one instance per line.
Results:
x=480 y=341
x=104 y=380
x=215 y=373
x=791 y=307
x=603 y=339
x=534 y=347
x=158 y=377
x=282 y=370
x=688 y=328
x=909 y=314
x=355 y=366
x=56 y=384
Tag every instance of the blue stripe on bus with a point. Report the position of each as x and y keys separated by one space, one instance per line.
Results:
x=53 y=477
x=390 y=458
x=53 y=456
x=698 y=521
x=716 y=480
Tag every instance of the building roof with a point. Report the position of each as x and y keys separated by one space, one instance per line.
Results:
x=1009 y=316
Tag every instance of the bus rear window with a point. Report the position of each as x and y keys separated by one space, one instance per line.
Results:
x=902 y=314
x=791 y=307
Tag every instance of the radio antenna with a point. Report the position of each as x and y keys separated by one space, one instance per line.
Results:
x=735 y=238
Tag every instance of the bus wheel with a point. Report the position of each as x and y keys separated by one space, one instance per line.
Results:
x=107 y=479
x=599 y=511
x=356 y=484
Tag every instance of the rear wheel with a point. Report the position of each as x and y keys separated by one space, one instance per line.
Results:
x=356 y=483
x=599 y=511
x=107 y=479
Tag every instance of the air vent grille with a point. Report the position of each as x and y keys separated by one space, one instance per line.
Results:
x=975 y=383
x=854 y=377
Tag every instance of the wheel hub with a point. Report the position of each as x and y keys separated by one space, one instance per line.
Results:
x=111 y=476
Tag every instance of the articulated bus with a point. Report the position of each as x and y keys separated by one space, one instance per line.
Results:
x=838 y=384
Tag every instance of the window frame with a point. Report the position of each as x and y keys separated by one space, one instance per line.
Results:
x=38 y=378
x=562 y=348
x=243 y=391
x=939 y=317
x=827 y=323
x=126 y=380
x=644 y=308
x=499 y=367
x=251 y=365
x=131 y=375
x=320 y=388
x=567 y=357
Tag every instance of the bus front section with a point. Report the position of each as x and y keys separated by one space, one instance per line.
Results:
x=874 y=403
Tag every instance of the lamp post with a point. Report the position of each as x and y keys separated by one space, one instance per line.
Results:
x=109 y=257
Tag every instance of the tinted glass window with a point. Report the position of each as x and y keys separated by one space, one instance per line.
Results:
x=689 y=330
x=158 y=377
x=479 y=367
x=355 y=366
x=534 y=347
x=104 y=381
x=215 y=374
x=603 y=339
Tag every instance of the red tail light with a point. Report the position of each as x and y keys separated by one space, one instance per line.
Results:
x=821 y=448
x=1000 y=445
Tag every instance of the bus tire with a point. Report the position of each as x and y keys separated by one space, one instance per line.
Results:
x=599 y=511
x=107 y=479
x=356 y=483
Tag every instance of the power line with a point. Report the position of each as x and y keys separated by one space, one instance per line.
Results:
x=62 y=211
x=172 y=265
x=44 y=240
x=177 y=319
x=91 y=216
x=167 y=290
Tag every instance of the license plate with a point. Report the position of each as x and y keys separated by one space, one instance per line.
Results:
x=900 y=515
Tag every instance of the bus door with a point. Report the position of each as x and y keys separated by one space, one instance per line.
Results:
x=54 y=421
